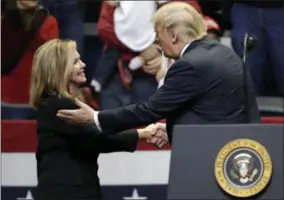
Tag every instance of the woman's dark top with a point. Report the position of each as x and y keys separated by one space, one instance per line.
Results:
x=67 y=153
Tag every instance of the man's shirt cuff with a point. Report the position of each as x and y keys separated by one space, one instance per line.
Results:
x=96 y=120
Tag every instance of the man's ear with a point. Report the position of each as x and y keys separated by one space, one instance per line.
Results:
x=174 y=38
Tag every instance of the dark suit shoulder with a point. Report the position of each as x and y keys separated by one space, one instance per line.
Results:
x=205 y=51
x=198 y=55
x=47 y=119
x=58 y=102
x=209 y=56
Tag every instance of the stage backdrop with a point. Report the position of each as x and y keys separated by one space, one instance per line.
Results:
x=142 y=175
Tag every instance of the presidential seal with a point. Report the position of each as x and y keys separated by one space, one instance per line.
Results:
x=243 y=168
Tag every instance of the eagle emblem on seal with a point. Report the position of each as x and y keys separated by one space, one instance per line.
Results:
x=243 y=168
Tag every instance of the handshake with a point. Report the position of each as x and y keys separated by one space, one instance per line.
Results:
x=154 y=134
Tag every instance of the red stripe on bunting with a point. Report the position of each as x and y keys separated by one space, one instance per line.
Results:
x=21 y=136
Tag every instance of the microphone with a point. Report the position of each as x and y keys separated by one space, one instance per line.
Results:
x=248 y=44
x=251 y=41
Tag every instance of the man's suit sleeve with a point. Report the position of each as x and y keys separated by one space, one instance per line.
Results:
x=181 y=85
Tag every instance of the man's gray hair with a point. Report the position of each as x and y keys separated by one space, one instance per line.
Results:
x=182 y=20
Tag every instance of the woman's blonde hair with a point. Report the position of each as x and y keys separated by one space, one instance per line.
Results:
x=51 y=70
x=182 y=19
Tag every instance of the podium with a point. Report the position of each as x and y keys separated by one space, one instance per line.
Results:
x=243 y=161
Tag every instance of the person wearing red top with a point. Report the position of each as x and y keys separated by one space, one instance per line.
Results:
x=27 y=26
x=106 y=24
x=115 y=50
x=117 y=83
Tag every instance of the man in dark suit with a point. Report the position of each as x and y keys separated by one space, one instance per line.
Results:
x=206 y=85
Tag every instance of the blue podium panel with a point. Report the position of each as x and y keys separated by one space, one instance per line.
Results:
x=226 y=162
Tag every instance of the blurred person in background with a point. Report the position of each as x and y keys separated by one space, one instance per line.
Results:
x=69 y=16
x=130 y=65
x=126 y=30
x=3 y=5
x=67 y=154
x=264 y=21
x=25 y=25
x=213 y=29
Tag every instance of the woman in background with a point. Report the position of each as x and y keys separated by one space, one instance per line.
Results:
x=67 y=153
x=25 y=26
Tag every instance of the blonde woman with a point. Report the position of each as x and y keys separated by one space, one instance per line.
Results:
x=66 y=153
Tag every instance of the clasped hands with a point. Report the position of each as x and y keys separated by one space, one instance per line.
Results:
x=154 y=134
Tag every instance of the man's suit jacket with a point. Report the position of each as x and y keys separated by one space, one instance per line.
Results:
x=205 y=86
x=67 y=154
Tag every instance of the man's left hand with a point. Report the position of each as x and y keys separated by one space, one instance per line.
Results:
x=83 y=115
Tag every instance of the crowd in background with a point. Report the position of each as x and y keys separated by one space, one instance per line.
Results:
x=124 y=61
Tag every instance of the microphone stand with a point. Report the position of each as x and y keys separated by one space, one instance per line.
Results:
x=245 y=51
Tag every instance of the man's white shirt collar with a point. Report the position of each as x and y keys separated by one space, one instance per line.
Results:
x=184 y=48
